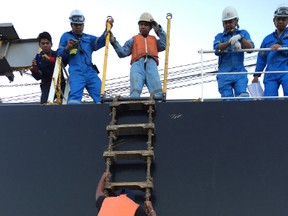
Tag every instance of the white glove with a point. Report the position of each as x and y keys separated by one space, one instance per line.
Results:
x=156 y=27
x=237 y=46
x=235 y=38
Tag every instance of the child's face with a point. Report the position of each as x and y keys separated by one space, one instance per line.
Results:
x=144 y=28
x=45 y=45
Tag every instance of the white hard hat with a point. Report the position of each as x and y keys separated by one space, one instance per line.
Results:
x=281 y=11
x=77 y=17
x=229 y=13
x=146 y=17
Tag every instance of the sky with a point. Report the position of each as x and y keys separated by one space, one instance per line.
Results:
x=194 y=25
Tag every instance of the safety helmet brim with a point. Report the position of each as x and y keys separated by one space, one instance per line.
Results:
x=231 y=18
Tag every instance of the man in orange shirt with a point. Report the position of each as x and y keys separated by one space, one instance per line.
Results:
x=122 y=205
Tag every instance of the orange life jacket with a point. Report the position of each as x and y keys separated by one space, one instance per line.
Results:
x=144 y=46
x=118 y=206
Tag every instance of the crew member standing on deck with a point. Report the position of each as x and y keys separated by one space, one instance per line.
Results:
x=76 y=48
x=143 y=49
x=275 y=60
x=232 y=39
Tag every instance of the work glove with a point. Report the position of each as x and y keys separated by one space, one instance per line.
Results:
x=237 y=46
x=156 y=27
x=112 y=38
x=235 y=38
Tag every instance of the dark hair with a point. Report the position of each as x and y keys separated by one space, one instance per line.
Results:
x=44 y=35
x=128 y=192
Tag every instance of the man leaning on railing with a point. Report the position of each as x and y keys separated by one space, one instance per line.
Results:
x=275 y=60
x=232 y=39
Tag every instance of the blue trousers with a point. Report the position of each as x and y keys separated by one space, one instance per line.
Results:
x=272 y=83
x=232 y=85
x=141 y=73
x=78 y=81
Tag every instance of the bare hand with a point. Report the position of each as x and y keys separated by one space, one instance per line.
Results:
x=149 y=205
x=275 y=46
x=71 y=44
x=105 y=176
x=45 y=57
x=255 y=79
x=110 y=20
x=34 y=64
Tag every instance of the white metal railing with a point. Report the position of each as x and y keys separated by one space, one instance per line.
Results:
x=226 y=73
x=243 y=50
x=244 y=98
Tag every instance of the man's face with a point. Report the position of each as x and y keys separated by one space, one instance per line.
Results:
x=45 y=45
x=144 y=28
x=280 y=23
x=229 y=25
x=77 y=28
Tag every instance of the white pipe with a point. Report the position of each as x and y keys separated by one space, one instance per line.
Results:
x=230 y=73
x=243 y=50
x=202 y=85
x=245 y=98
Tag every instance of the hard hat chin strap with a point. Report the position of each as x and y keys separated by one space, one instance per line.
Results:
x=231 y=31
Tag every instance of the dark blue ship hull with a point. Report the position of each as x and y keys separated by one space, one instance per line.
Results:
x=211 y=158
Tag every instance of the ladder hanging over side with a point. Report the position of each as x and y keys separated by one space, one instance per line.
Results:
x=116 y=131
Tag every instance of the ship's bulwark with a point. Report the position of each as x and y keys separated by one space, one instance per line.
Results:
x=211 y=158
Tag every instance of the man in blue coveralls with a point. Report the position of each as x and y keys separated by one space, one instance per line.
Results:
x=275 y=60
x=76 y=49
x=232 y=39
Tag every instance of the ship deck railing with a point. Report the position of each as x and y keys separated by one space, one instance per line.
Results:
x=202 y=52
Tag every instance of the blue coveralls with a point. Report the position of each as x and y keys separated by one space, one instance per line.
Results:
x=144 y=70
x=231 y=62
x=82 y=73
x=274 y=61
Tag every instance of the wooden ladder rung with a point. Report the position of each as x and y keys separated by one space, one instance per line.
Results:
x=123 y=106
x=129 y=155
x=131 y=129
x=129 y=185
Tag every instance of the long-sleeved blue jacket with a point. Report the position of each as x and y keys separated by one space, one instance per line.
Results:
x=232 y=61
x=86 y=45
x=273 y=60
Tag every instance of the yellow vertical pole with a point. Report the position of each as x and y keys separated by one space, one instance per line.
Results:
x=168 y=17
x=108 y=28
